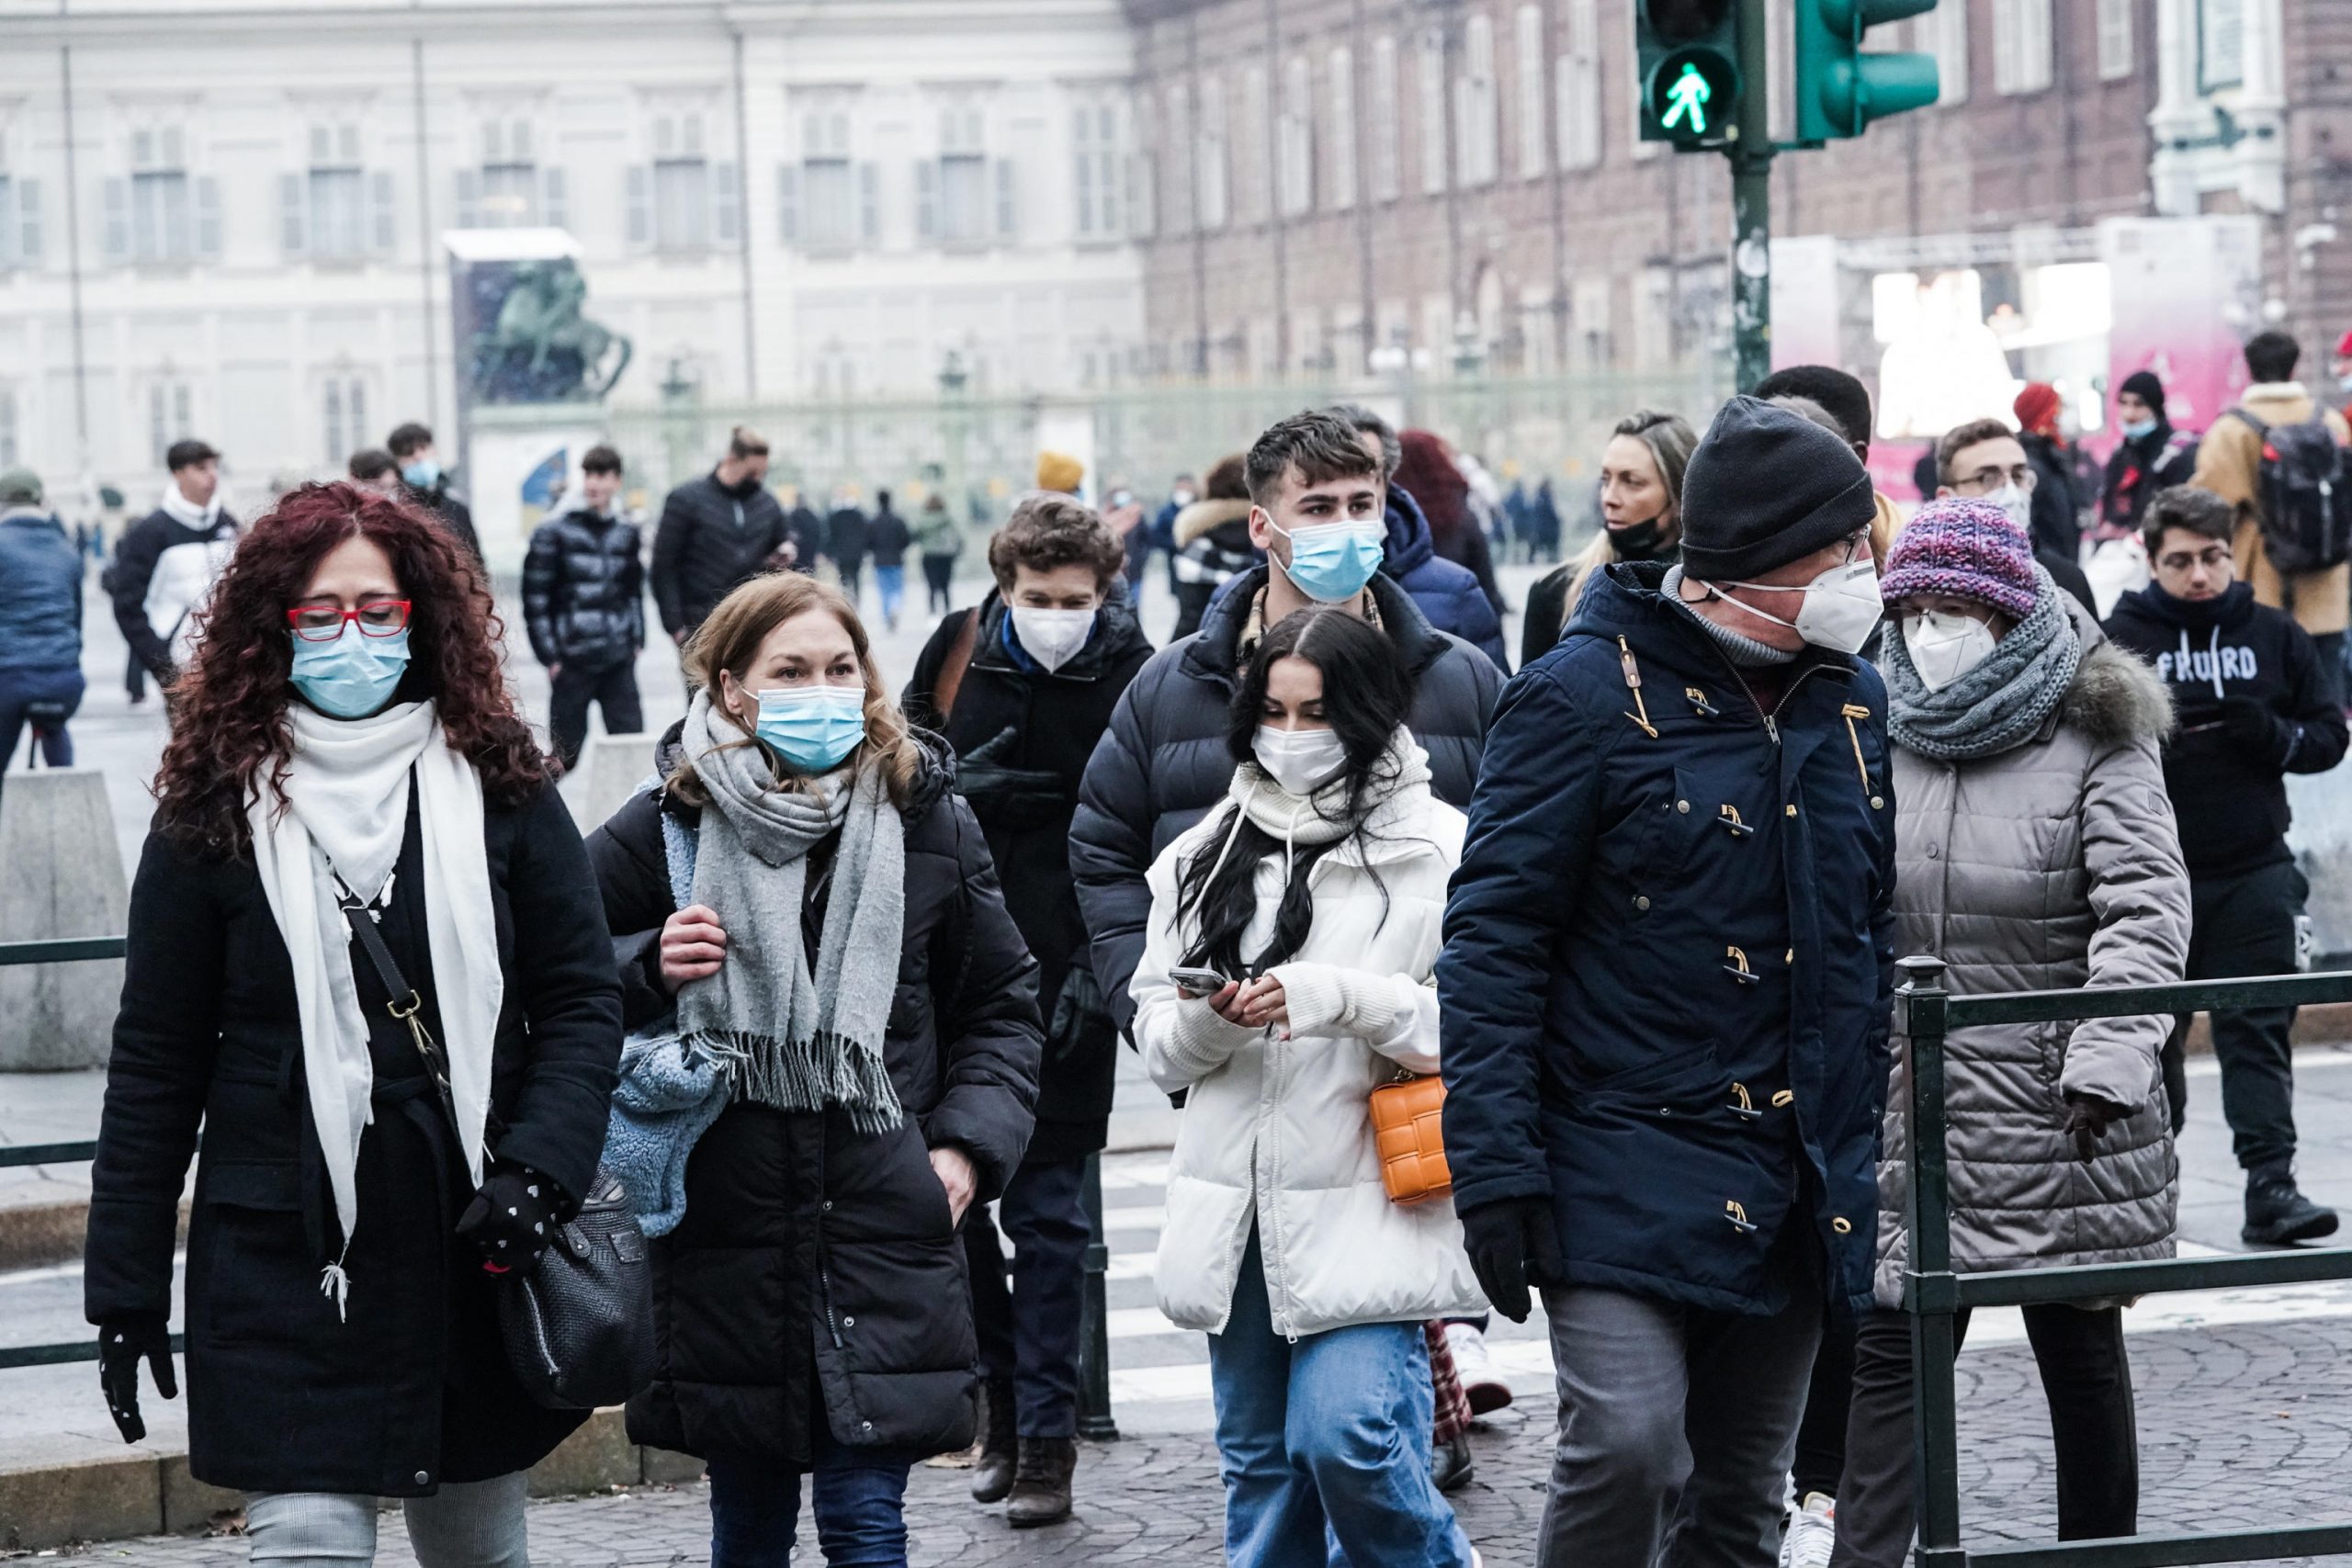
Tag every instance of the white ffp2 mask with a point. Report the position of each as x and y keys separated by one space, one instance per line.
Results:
x=1051 y=637
x=1944 y=646
x=1841 y=605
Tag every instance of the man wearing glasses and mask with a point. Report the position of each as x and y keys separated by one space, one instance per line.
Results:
x=2254 y=704
x=1984 y=460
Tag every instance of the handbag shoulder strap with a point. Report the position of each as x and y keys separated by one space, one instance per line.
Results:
x=405 y=1005
x=951 y=671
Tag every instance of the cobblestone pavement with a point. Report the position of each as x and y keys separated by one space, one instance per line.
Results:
x=2239 y=1424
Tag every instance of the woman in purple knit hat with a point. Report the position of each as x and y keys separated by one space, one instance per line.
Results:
x=2037 y=850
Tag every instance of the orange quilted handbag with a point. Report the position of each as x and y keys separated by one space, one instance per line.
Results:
x=1408 y=1129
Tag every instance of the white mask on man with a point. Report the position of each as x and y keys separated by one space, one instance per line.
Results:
x=2016 y=502
x=1841 y=605
x=1051 y=637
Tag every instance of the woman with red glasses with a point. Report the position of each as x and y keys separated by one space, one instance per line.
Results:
x=348 y=756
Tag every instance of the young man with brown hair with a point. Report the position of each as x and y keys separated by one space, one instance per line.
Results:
x=583 y=604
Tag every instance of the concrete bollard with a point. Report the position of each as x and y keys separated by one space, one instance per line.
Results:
x=611 y=767
x=60 y=876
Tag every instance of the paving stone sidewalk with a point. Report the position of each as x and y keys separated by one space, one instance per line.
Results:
x=2239 y=1426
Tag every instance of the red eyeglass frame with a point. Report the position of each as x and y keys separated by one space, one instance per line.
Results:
x=348 y=617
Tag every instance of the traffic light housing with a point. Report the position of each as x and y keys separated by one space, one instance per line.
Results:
x=1687 y=52
x=1840 y=89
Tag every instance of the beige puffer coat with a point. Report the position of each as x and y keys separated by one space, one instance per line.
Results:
x=2051 y=865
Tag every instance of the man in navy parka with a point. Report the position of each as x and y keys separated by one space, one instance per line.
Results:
x=1666 y=990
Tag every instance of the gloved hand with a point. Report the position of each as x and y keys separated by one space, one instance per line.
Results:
x=2249 y=724
x=513 y=1218
x=2088 y=1116
x=1018 y=797
x=1513 y=1245
x=1082 y=1018
x=123 y=1343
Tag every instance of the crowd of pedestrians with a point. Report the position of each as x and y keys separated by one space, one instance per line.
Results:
x=837 y=994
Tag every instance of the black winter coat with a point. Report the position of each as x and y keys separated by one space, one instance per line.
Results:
x=1163 y=762
x=2057 y=510
x=2137 y=469
x=142 y=547
x=847 y=535
x=1036 y=730
x=413 y=1390
x=817 y=1276
x=711 y=539
x=583 y=591
x=2231 y=795
x=451 y=513
x=889 y=537
x=1670 y=960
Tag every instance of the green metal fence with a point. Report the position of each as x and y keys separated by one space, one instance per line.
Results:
x=1933 y=1294
x=71 y=950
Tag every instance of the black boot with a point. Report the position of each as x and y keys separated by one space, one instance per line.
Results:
x=1451 y=1464
x=1041 y=1492
x=999 y=1453
x=2277 y=1213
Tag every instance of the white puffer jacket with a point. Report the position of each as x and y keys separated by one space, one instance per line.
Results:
x=1278 y=1131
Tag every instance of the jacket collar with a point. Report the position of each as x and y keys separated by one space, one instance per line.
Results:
x=1213 y=652
x=2228 y=613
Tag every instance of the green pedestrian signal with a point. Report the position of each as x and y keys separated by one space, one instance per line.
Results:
x=1839 y=89
x=1688 y=52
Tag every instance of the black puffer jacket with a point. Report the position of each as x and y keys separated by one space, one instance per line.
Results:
x=1034 y=731
x=711 y=538
x=414 y=1388
x=583 y=591
x=817 y=1276
x=1163 y=762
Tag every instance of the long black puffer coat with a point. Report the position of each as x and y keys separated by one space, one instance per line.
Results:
x=712 y=537
x=1034 y=731
x=817 y=1276
x=414 y=1388
x=1163 y=762
x=583 y=591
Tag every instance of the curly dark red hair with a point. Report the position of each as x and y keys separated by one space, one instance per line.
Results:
x=229 y=728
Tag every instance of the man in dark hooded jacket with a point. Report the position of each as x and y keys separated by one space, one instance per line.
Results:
x=1665 y=995
x=1448 y=593
x=2151 y=456
x=1163 y=764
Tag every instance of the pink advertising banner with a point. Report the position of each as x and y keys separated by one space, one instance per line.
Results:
x=2188 y=293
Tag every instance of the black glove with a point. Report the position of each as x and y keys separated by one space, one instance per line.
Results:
x=2088 y=1116
x=2249 y=724
x=123 y=1343
x=1081 y=1019
x=1513 y=1245
x=513 y=1218
x=1014 y=797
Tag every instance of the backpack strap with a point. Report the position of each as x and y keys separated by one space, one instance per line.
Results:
x=959 y=659
x=2258 y=427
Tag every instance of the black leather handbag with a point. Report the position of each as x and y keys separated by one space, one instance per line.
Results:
x=577 y=1324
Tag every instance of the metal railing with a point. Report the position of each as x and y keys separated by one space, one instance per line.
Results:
x=1933 y=1294
x=68 y=950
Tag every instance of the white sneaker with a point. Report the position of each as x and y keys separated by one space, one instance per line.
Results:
x=1813 y=1531
x=1481 y=1383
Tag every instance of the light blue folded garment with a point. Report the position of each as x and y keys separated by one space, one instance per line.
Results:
x=667 y=1099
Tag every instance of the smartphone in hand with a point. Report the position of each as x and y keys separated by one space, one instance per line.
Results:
x=1194 y=984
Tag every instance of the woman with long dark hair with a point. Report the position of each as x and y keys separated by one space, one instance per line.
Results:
x=810 y=926
x=346 y=750
x=1286 y=975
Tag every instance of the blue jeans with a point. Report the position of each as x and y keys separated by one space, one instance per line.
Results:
x=44 y=699
x=1325 y=1443
x=756 y=1510
x=890 y=581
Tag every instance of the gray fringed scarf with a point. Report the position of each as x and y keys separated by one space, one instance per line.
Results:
x=800 y=1039
x=2001 y=703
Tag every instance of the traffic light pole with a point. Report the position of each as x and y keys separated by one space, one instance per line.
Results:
x=1752 y=207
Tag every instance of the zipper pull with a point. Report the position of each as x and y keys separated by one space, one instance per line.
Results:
x=1633 y=684
x=1742 y=1105
x=1737 y=968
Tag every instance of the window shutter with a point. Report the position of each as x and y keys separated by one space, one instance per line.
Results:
x=788 y=203
x=380 y=214
x=551 y=204
x=1008 y=215
x=117 y=221
x=294 y=228
x=208 y=218
x=640 y=206
x=8 y=256
x=725 y=204
x=468 y=199
x=27 y=222
x=926 y=198
x=869 y=203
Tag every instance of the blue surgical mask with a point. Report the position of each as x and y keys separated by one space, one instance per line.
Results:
x=422 y=473
x=1330 y=562
x=2134 y=430
x=353 y=676
x=813 y=728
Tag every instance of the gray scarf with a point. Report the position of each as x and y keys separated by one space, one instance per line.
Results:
x=2000 y=703
x=1745 y=652
x=800 y=1039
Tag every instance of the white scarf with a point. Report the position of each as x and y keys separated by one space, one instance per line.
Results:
x=348 y=788
x=1322 y=818
x=185 y=512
